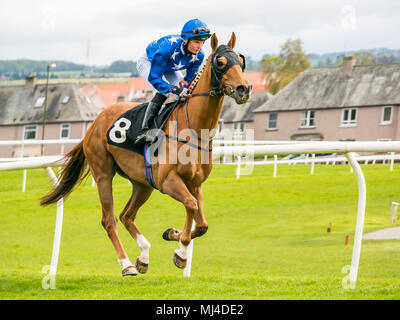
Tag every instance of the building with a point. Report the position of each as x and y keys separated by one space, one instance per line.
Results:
x=344 y=103
x=236 y=118
x=136 y=89
x=68 y=115
x=257 y=80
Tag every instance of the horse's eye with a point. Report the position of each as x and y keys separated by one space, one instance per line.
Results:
x=219 y=63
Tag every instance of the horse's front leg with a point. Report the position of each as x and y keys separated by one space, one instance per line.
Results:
x=176 y=188
x=201 y=223
x=201 y=227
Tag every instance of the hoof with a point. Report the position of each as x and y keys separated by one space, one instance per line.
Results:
x=129 y=271
x=165 y=234
x=178 y=261
x=140 y=266
x=171 y=234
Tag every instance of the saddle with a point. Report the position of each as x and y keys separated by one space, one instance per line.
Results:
x=123 y=132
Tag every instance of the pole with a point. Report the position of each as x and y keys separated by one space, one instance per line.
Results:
x=362 y=195
x=58 y=228
x=312 y=163
x=275 y=164
x=188 y=268
x=238 y=167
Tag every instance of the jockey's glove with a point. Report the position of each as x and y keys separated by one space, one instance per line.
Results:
x=179 y=91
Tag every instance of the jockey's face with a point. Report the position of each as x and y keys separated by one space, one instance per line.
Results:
x=194 y=45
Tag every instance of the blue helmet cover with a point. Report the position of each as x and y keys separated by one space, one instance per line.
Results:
x=203 y=31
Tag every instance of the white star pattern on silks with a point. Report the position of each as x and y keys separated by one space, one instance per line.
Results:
x=194 y=58
x=178 y=66
x=174 y=55
x=173 y=39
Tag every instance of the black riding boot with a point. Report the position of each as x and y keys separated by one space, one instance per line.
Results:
x=151 y=112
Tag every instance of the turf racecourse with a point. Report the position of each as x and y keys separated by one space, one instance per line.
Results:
x=267 y=238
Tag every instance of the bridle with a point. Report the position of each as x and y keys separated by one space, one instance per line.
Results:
x=217 y=87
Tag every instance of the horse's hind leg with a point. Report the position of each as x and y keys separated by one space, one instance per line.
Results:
x=140 y=194
x=102 y=167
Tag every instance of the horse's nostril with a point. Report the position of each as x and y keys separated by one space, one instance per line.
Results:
x=241 y=89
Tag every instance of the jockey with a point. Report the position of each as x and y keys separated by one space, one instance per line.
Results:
x=161 y=65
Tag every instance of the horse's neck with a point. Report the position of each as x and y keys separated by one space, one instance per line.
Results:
x=204 y=111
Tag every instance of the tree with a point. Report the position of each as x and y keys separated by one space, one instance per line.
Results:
x=281 y=70
x=364 y=58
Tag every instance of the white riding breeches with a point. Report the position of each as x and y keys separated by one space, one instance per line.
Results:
x=143 y=66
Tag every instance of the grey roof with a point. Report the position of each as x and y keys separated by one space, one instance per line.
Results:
x=233 y=112
x=334 y=88
x=17 y=104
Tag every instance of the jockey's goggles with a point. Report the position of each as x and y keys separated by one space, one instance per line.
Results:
x=199 y=30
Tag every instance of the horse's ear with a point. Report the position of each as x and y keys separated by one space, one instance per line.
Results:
x=232 y=41
x=214 y=43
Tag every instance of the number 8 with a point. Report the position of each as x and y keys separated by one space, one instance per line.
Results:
x=121 y=130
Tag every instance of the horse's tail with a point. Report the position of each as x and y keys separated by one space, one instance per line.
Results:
x=73 y=173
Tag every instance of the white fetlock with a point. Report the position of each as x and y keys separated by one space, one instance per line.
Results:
x=182 y=251
x=125 y=263
x=144 y=247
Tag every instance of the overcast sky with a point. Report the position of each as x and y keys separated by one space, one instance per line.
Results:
x=121 y=29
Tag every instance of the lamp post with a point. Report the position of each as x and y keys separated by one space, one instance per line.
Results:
x=53 y=65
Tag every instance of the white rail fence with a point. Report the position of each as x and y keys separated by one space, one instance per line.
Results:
x=348 y=148
x=243 y=161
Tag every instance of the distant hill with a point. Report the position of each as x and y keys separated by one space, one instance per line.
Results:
x=20 y=68
x=332 y=59
x=382 y=56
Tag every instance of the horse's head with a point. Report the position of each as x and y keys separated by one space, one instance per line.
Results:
x=227 y=69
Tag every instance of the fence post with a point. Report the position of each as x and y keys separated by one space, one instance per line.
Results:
x=275 y=164
x=238 y=167
x=188 y=268
x=24 y=182
x=392 y=161
x=312 y=163
x=58 y=228
x=362 y=195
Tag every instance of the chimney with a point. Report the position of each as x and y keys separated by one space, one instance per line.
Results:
x=30 y=82
x=348 y=63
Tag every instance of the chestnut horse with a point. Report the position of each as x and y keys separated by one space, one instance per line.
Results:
x=222 y=74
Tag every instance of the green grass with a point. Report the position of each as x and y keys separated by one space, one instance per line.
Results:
x=267 y=238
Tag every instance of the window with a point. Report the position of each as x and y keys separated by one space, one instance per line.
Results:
x=272 y=121
x=65 y=100
x=39 y=102
x=64 y=130
x=349 y=117
x=238 y=128
x=30 y=132
x=308 y=119
x=386 y=115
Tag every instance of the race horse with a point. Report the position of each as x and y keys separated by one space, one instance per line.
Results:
x=182 y=180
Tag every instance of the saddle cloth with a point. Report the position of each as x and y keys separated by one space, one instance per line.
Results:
x=125 y=129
